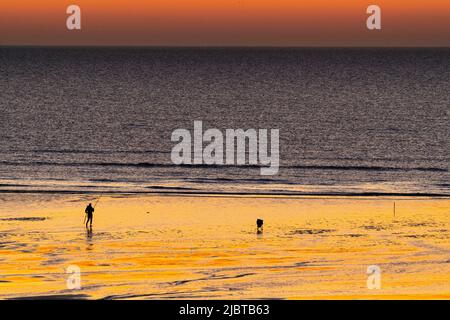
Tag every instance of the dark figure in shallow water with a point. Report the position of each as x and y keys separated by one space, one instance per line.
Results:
x=259 y=226
x=89 y=213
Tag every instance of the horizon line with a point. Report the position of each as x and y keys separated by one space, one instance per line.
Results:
x=214 y=46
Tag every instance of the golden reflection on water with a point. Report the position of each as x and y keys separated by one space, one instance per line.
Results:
x=209 y=247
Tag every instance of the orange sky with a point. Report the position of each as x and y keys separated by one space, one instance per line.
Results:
x=226 y=22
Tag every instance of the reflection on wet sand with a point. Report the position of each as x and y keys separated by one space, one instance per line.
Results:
x=194 y=247
x=89 y=235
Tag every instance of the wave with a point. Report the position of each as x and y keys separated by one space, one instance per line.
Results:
x=170 y=188
x=370 y=168
x=445 y=185
x=215 y=166
x=242 y=180
x=201 y=193
x=70 y=151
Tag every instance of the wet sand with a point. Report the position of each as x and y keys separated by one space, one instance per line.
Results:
x=175 y=247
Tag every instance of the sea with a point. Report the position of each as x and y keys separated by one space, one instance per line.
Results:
x=352 y=121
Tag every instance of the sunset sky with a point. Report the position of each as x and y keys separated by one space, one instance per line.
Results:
x=226 y=23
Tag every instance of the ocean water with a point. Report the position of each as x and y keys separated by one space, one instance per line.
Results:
x=352 y=121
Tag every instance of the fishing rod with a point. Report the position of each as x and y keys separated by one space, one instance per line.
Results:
x=101 y=195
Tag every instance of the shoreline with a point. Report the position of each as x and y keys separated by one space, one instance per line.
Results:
x=224 y=194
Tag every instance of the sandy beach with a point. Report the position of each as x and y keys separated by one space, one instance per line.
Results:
x=206 y=247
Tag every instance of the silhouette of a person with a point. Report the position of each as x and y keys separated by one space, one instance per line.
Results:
x=259 y=226
x=89 y=212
